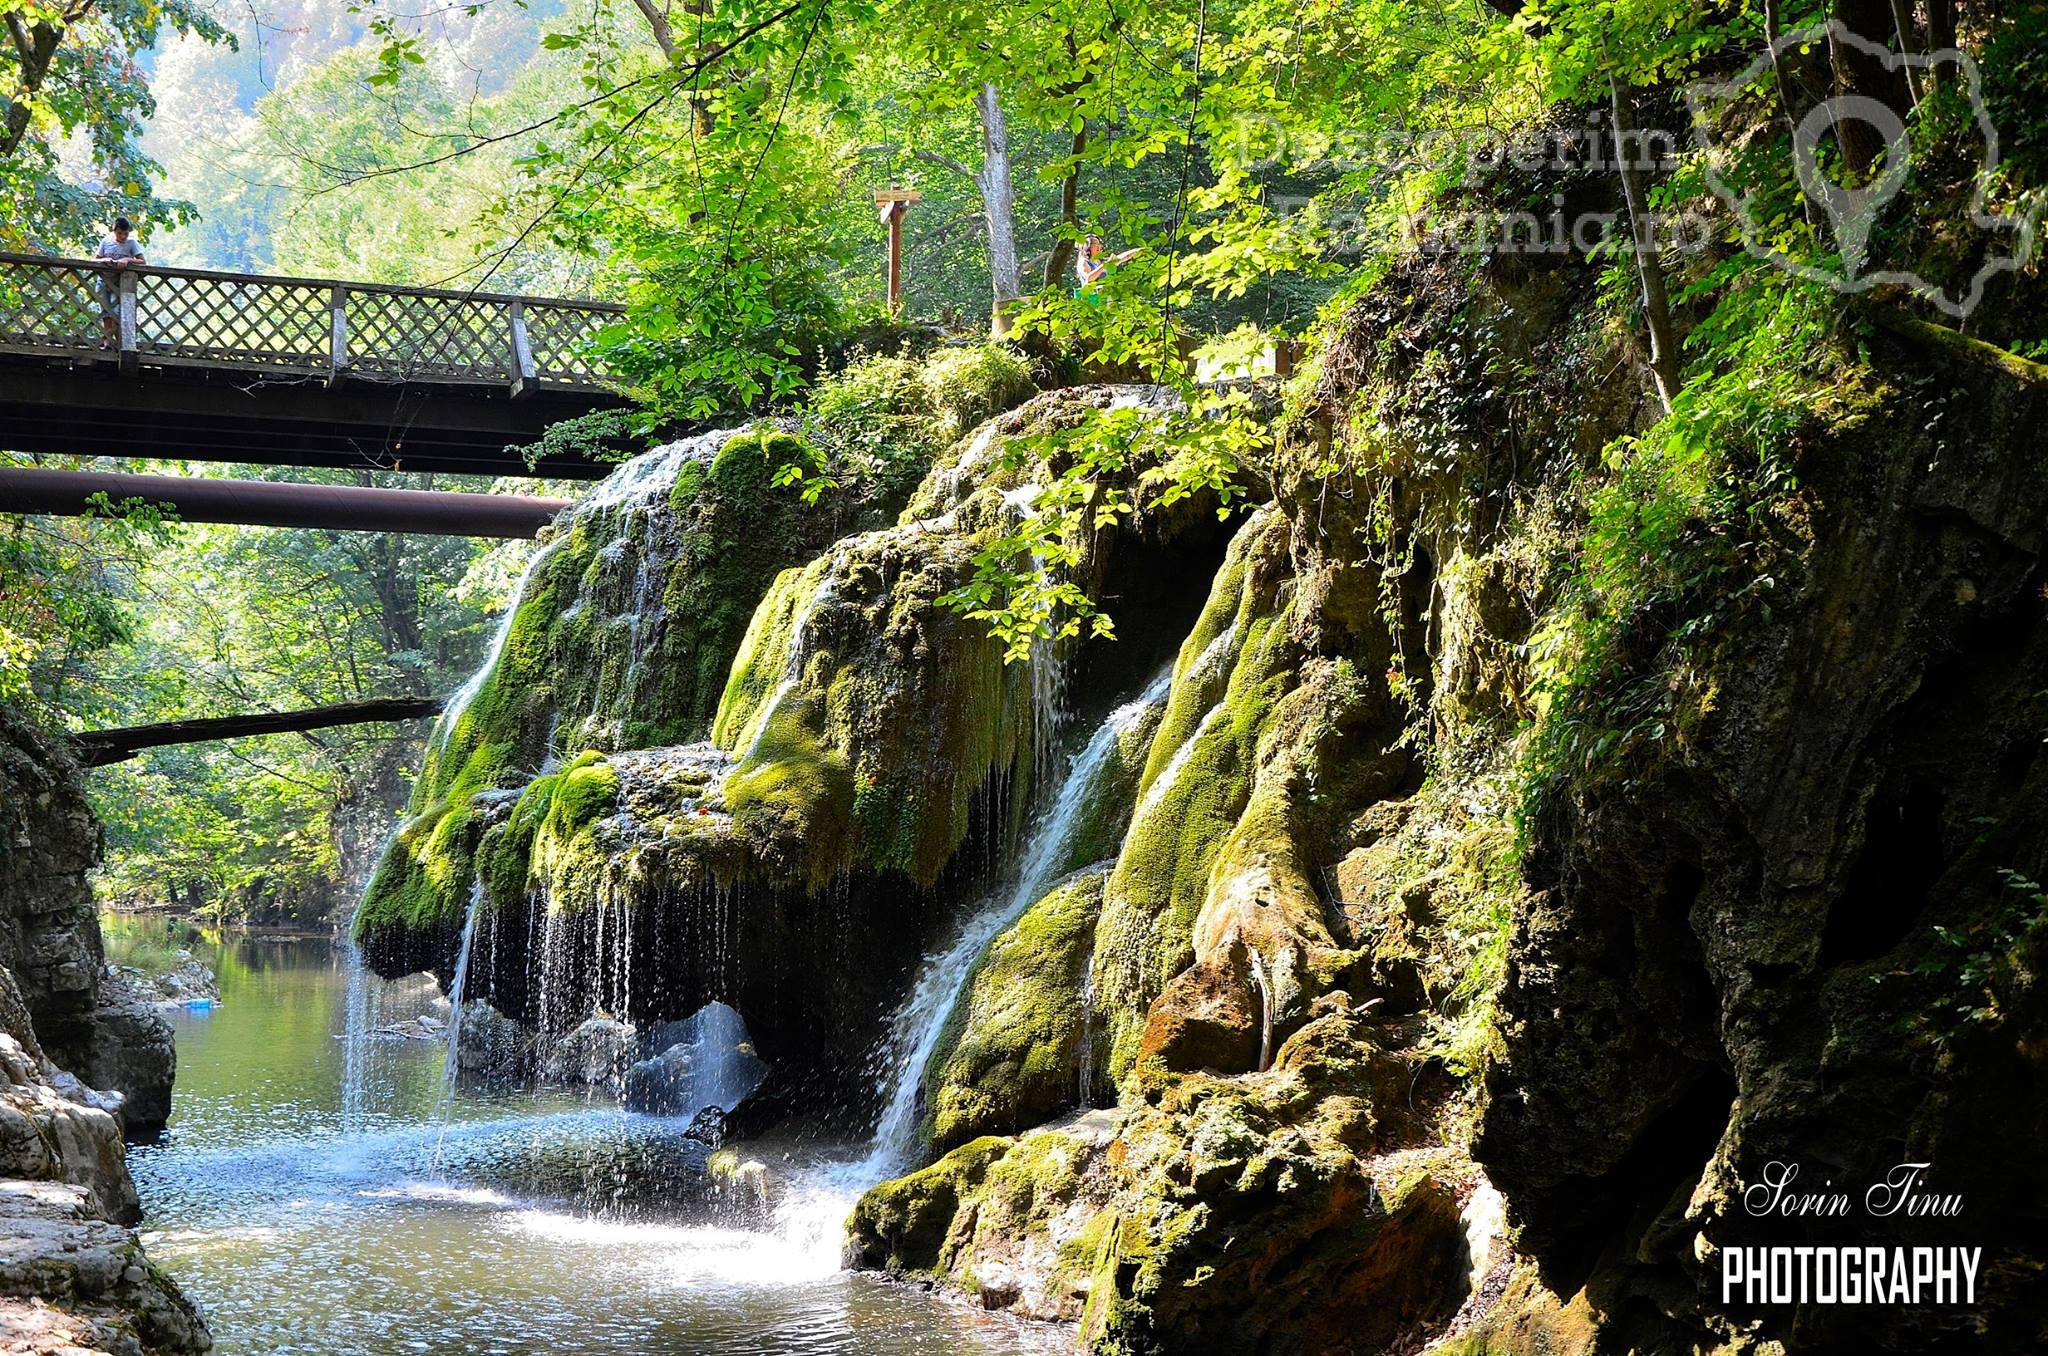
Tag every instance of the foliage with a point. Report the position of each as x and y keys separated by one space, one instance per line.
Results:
x=70 y=74
x=59 y=584
x=1980 y=969
x=1686 y=529
x=217 y=620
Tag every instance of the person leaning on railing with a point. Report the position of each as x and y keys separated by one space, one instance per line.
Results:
x=117 y=251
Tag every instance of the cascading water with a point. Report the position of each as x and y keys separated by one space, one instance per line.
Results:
x=922 y=1020
x=645 y=477
x=459 y=984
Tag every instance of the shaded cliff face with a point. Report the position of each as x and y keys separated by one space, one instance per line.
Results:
x=1604 y=886
x=1813 y=938
x=73 y=1275
x=87 y=1021
x=49 y=933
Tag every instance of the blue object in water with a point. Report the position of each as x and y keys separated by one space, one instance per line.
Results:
x=199 y=1005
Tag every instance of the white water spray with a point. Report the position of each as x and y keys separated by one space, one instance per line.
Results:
x=922 y=1019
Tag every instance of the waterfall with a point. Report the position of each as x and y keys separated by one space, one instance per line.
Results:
x=355 y=1040
x=457 y=987
x=922 y=1020
x=646 y=476
x=466 y=695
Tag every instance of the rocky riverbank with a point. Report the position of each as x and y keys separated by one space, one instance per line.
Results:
x=73 y=1275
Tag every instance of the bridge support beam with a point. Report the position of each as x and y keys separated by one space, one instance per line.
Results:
x=264 y=503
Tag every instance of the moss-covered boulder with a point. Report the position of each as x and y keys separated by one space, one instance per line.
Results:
x=621 y=637
x=1014 y=1222
x=1022 y=1034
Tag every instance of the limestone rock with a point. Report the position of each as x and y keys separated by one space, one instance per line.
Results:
x=595 y=1054
x=132 y=1053
x=68 y=1274
x=705 y=1061
x=1021 y=1035
x=490 y=1043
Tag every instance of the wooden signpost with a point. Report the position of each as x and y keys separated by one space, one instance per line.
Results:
x=894 y=201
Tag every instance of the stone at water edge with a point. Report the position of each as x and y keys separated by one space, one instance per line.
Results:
x=492 y=1044
x=595 y=1054
x=705 y=1060
x=133 y=1054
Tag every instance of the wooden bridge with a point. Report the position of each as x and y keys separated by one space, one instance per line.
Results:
x=290 y=371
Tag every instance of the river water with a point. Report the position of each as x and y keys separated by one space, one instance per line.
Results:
x=316 y=1194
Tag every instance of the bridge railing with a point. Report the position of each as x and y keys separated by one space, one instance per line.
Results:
x=298 y=326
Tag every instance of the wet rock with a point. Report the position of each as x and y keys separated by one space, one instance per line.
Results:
x=1206 y=1019
x=1011 y=1221
x=705 y=1061
x=707 y=1127
x=596 y=1054
x=741 y=1185
x=491 y=1044
x=1022 y=1039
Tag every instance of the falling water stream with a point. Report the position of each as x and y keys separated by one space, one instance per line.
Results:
x=329 y=1184
x=922 y=1019
x=310 y=1220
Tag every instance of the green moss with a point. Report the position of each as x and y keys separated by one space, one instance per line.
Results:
x=1233 y=670
x=792 y=796
x=422 y=882
x=761 y=664
x=1011 y=1055
x=587 y=788
x=902 y=1225
x=746 y=463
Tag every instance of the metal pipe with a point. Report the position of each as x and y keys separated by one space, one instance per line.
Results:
x=266 y=503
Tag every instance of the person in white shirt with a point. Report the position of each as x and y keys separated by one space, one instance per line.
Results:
x=117 y=251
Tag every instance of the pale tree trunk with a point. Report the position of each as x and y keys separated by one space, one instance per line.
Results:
x=998 y=197
x=1664 y=358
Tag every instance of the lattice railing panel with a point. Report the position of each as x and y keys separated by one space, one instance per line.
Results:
x=561 y=337
x=50 y=306
x=268 y=323
x=289 y=324
x=409 y=335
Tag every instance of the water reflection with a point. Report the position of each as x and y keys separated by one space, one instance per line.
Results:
x=298 y=1199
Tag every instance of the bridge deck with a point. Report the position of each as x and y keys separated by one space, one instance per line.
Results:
x=289 y=371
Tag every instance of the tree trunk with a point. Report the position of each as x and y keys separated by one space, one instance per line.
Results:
x=1941 y=35
x=1649 y=263
x=998 y=196
x=1858 y=73
x=1062 y=255
x=35 y=46
x=97 y=748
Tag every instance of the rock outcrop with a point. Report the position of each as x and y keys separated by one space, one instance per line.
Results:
x=73 y=1275
x=1553 y=816
x=50 y=932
